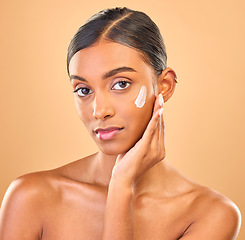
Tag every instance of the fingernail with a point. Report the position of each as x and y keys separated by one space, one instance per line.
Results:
x=161 y=101
x=161 y=112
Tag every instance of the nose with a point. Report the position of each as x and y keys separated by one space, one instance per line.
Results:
x=102 y=107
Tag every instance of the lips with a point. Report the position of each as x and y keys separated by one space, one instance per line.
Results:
x=107 y=133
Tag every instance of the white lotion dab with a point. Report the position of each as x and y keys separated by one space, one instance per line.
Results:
x=140 y=100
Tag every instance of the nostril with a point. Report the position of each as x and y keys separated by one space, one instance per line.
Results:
x=102 y=109
x=105 y=117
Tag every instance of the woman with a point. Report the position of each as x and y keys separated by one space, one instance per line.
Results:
x=117 y=66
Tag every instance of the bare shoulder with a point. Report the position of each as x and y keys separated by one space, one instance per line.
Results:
x=216 y=216
x=217 y=204
x=45 y=184
x=23 y=206
x=34 y=187
x=37 y=185
x=32 y=198
x=28 y=190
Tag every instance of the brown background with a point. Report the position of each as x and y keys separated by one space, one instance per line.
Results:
x=204 y=120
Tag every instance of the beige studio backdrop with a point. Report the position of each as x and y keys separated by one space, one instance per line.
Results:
x=204 y=119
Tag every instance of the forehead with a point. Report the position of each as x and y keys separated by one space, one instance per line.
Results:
x=104 y=56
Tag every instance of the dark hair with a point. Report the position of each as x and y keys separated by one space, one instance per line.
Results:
x=125 y=26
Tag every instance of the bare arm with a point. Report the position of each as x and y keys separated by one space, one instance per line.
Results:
x=129 y=167
x=118 y=222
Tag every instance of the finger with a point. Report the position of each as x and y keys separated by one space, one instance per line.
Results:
x=159 y=102
x=161 y=121
x=152 y=125
x=162 y=133
x=158 y=137
x=157 y=142
x=161 y=140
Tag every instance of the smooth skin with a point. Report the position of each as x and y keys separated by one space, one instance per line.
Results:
x=128 y=190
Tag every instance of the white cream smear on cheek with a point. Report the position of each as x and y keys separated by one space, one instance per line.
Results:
x=140 y=100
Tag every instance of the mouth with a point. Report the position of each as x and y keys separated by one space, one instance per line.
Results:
x=107 y=133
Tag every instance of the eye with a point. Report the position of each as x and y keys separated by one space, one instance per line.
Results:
x=121 y=85
x=82 y=91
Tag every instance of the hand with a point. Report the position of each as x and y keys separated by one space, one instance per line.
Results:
x=147 y=152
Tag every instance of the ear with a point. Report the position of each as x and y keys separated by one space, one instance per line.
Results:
x=166 y=83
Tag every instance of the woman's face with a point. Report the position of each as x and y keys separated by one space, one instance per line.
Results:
x=107 y=78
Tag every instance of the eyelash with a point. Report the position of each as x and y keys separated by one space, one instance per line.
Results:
x=128 y=83
x=78 y=89
x=113 y=88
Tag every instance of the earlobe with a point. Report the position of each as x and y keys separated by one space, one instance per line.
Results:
x=167 y=82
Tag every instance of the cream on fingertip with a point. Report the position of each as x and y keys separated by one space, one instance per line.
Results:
x=160 y=112
x=161 y=101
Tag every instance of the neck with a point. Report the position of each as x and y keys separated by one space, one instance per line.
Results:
x=103 y=165
x=155 y=180
x=162 y=180
x=158 y=179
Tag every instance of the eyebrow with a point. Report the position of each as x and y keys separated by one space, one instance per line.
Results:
x=108 y=74
x=118 y=70
x=78 y=78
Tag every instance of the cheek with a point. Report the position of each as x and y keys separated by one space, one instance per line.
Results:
x=139 y=104
x=141 y=98
x=83 y=111
x=145 y=113
x=145 y=101
x=139 y=112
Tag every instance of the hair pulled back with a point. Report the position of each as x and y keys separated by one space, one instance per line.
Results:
x=125 y=26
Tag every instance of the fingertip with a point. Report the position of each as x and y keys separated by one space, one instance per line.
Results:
x=160 y=100
x=160 y=112
x=158 y=103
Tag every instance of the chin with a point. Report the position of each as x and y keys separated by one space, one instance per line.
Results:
x=110 y=150
x=115 y=148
